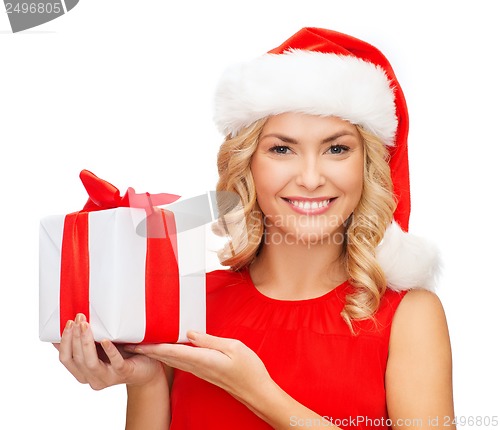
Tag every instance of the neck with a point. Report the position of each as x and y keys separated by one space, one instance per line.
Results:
x=299 y=270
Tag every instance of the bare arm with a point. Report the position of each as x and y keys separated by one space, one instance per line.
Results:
x=231 y=365
x=419 y=368
x=146 y=379
x=148 y=405
x=418 y=376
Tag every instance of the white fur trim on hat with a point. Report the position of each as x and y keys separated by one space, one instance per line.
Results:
x=408 y=261
x=309 y=82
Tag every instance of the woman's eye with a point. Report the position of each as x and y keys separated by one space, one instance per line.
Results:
x=279 y=149
x=338 y=149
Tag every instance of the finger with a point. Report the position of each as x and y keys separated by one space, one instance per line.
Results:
x=115 y=358
x=65 y=347
x=89 y=351
x=76 y=344
x=66 y=351
x=182 y=357
x=165 y=352
x=205 y=340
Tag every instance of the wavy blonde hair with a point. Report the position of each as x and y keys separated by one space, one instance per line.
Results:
x=366 y=229
x=243 y=224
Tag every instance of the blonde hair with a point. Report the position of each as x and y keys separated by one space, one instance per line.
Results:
x=244 y=224
x=365 y=231
x=365 y=228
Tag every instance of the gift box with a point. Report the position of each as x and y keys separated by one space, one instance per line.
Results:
x=124 y=263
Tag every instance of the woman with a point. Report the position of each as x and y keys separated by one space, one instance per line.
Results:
x=304 y=331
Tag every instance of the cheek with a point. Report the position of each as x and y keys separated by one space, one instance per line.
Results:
x=350 y=179
x=269 y=178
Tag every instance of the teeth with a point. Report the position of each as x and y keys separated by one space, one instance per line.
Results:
x=309 y=205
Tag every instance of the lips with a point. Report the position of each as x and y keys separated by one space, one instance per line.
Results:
x=309 y=206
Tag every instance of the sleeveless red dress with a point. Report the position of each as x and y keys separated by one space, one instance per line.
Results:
x=307 y=349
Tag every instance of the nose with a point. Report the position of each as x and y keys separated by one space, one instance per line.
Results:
x=310 y=174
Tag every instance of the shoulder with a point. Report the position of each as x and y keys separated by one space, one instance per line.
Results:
x=228 y=301
x=220 y=279
x=418 y=307
x=389 y=303
x=419 y=324
x=419 y=367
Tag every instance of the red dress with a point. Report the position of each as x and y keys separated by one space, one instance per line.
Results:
x=307 y=349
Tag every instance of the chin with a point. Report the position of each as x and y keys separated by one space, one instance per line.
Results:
x=304 y=236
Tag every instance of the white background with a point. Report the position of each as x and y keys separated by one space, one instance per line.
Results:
x=124 y=88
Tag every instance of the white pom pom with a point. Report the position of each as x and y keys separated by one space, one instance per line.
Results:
x=408 y=261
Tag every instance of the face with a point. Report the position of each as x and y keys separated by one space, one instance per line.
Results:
x=308 y=173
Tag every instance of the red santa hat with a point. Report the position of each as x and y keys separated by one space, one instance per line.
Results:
x=323 y=72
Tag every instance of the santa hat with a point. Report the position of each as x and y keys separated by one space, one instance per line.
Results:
x=323 y=72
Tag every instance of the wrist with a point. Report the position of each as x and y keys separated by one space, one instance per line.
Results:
x=148 y=403
x=156 y=377
x=270 y=403
x=277 y=408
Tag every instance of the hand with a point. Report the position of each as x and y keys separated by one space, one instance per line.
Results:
x=227 y=363
x=103 y=365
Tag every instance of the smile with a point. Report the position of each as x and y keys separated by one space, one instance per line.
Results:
x=309 y=206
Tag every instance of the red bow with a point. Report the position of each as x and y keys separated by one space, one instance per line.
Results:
x=162 y=273
x=103 y=195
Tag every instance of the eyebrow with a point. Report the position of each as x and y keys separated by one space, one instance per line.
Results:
x=291 y=140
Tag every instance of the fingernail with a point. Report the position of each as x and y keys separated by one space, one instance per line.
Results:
x=80 y=318
x=133 y=348
x=84 y=326
x=192 y=335
x=69 y=325
x=105 y=343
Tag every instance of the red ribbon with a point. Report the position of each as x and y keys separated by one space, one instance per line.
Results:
x=162 y=272
x=103 y=195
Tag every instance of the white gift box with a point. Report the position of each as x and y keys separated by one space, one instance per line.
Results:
x=121 y=286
